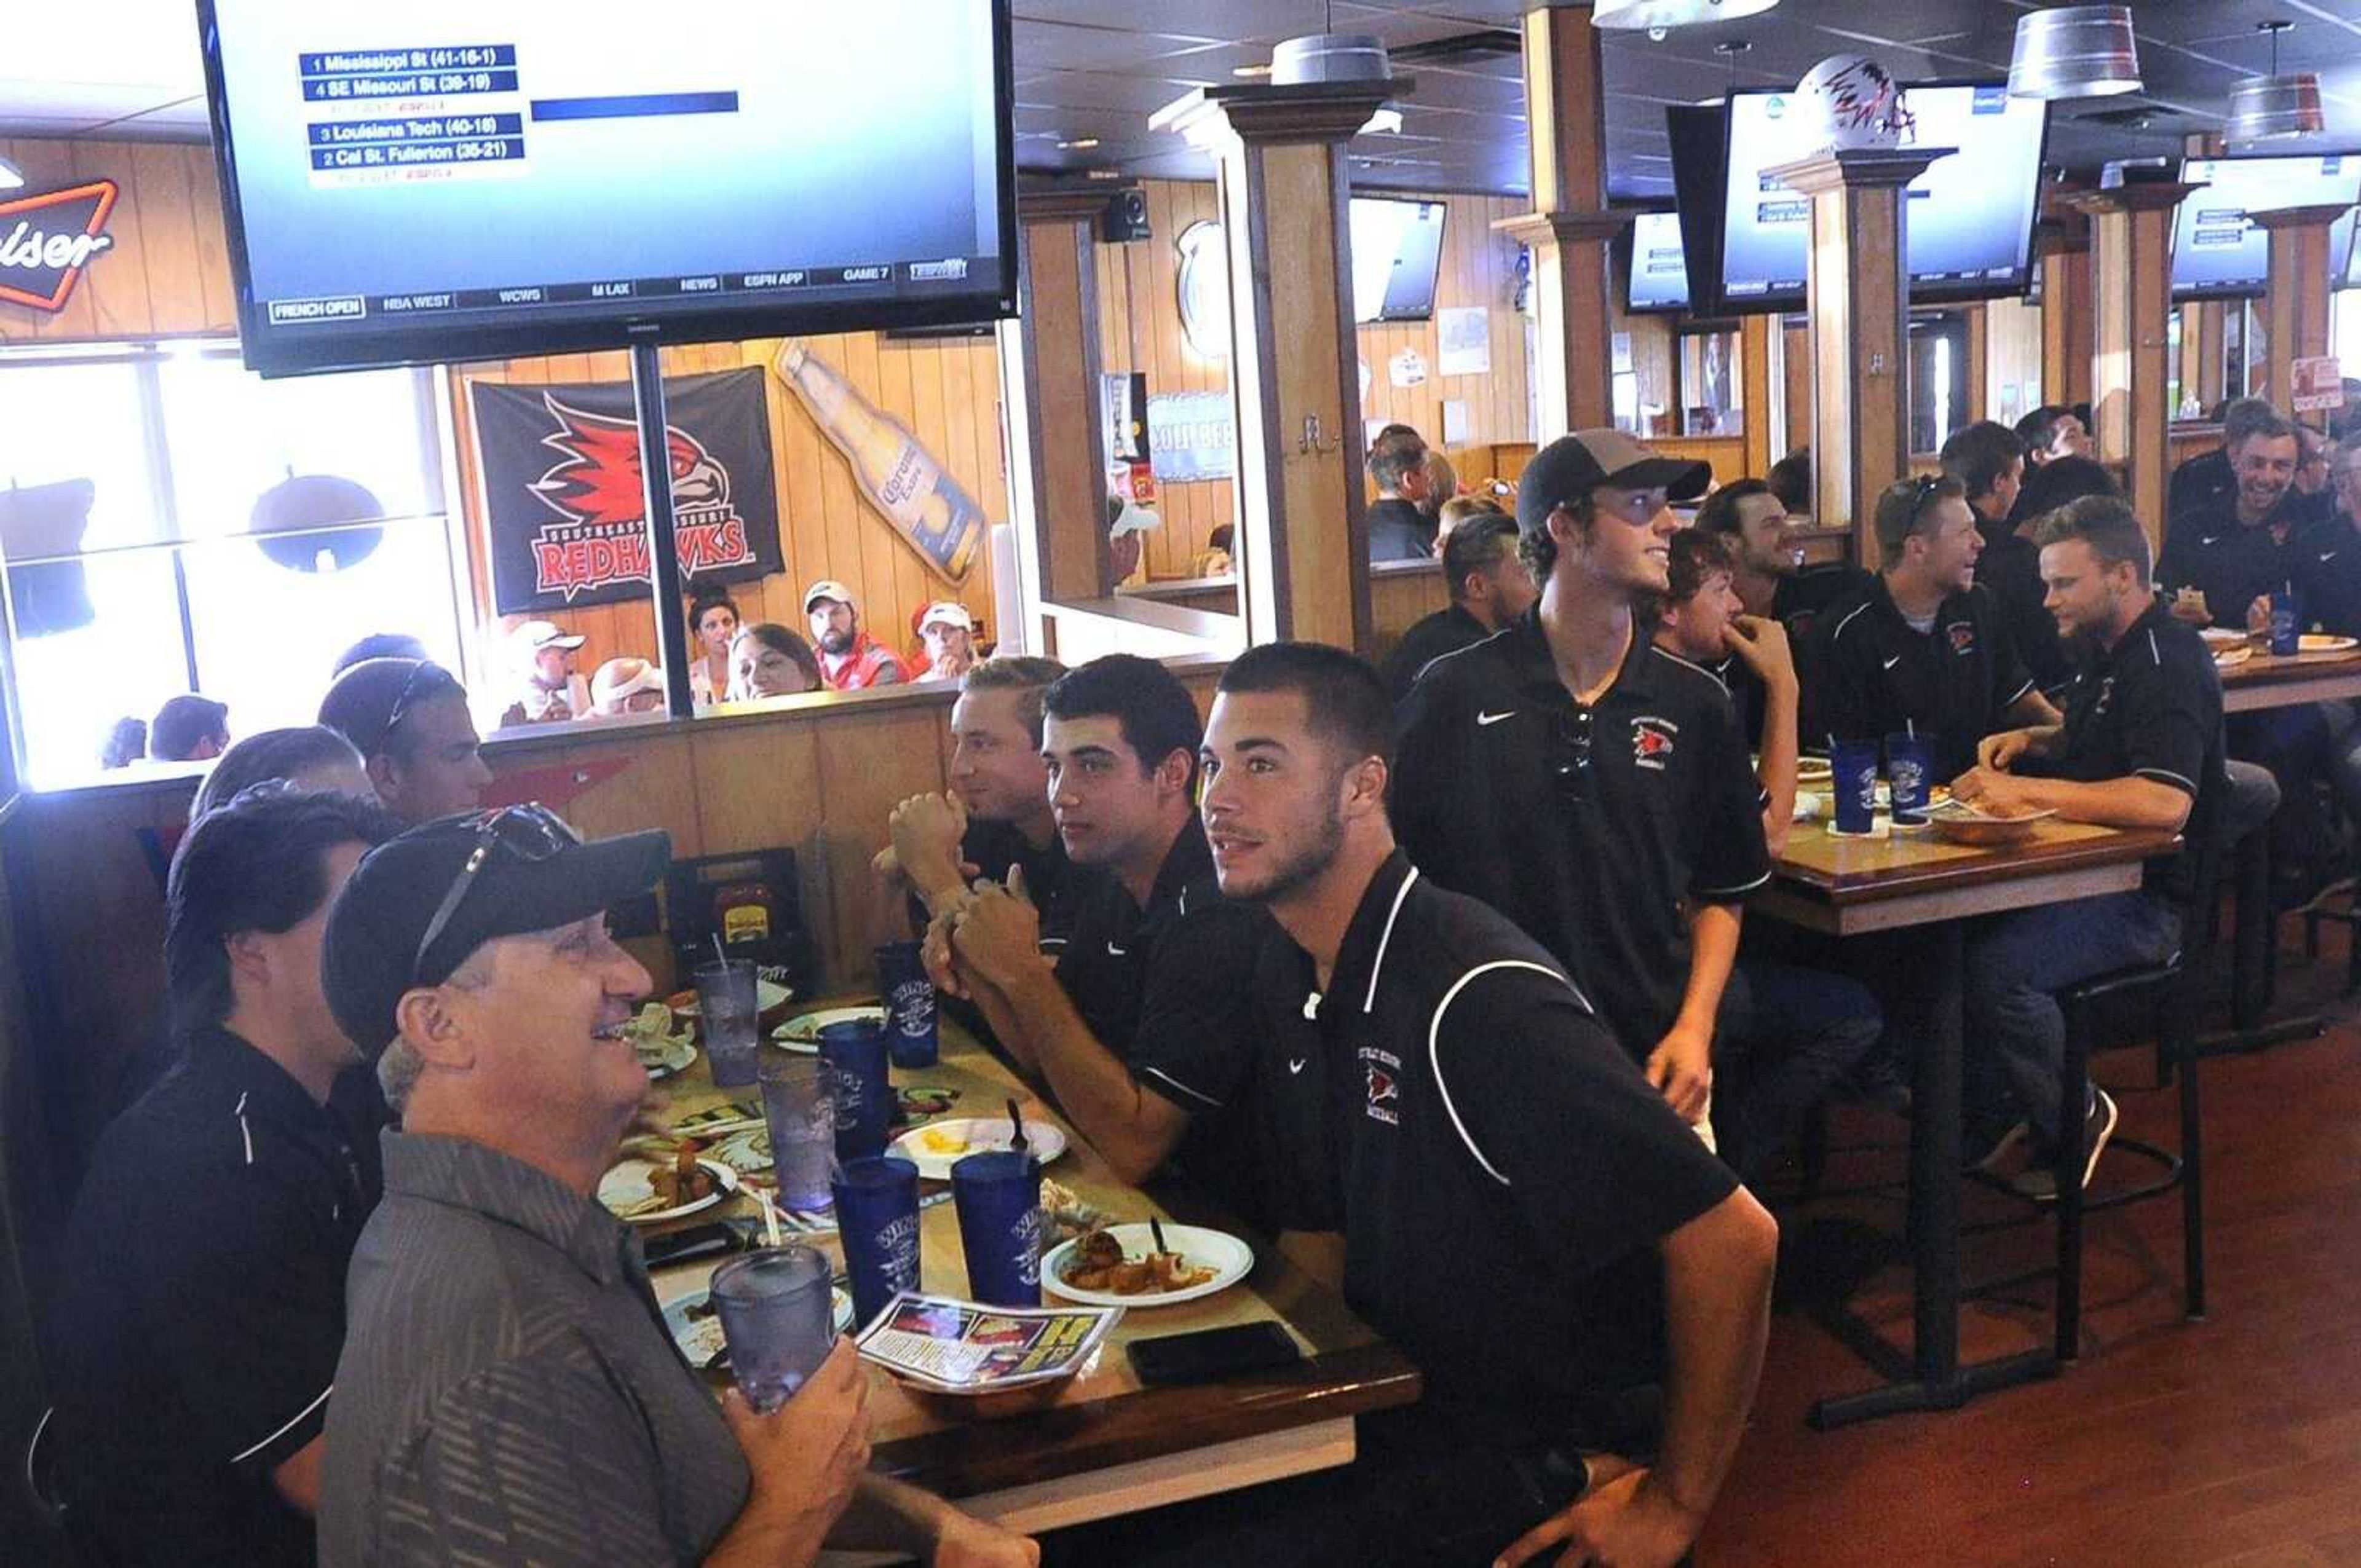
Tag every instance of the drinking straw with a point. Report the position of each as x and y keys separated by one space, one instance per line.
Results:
x=770 y=1215
x=719 y=952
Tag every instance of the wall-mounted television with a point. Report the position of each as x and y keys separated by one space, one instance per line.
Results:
x=1971 y=213
x=1397 y=249
x=2217 y=254
x=1658 y=276
x=448 y=181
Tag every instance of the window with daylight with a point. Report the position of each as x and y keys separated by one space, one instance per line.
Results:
x=171 y=522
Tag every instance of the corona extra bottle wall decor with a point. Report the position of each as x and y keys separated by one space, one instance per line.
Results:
x=900 y=477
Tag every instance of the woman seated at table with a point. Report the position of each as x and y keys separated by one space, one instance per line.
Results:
x=768 y=659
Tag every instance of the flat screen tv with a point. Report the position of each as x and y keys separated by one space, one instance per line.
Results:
x=1396 y=248
x=1971 y=213
x=1697 y=134
x=1659 y=277
x=2217 y=254
x=445 y=180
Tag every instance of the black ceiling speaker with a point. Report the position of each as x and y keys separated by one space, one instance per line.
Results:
x=1126 y=218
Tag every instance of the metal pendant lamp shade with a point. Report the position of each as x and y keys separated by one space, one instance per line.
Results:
x=1653 y=15
x=2074 y=51
x=1331 y=57
x=2272 y=108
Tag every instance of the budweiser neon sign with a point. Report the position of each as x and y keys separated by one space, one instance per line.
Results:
x=47 y=240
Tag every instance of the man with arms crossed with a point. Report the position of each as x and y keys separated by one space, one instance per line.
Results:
x=508 y=1392
x=202 y=1306
x=2140 y=747
x=1586 y=783
x=1522 y=1215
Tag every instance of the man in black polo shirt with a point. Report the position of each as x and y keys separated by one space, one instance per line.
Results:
x=1586 y=782
x=2209 y=481
x=1520 y=1214
x=1923 y=645
x=996 y=816
x=1152 y=949
x=1399 y=530
x=1770 y=578
x=201 y=1305
x=1490 y=588
x=2140 y=747
x=2226 y=552
x=1990 y=461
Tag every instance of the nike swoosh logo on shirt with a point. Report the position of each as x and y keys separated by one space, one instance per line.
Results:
x=1295 y=1064
x=1894 y=661
x=1116 y=952
x=1495 y=718
x=2329 y=556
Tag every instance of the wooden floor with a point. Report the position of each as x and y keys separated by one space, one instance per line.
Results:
x=2234 y=1440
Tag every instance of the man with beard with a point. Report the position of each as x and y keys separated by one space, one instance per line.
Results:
x=1769 y=576
x=202 y=1304
x=2227 y=551
x=2208 y=481
x=1585 y=1290
x=850 y=659
x=1583 y=782
x=2140 y=746
x=1923 y=646
x=1490 y=588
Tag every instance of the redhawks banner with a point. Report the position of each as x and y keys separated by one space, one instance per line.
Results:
x=561 y=469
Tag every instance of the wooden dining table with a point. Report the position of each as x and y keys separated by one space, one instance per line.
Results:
x=1912 y=880
x=1105 y=1445
x=2265 y=680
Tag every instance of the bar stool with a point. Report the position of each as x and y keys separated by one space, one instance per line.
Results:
x=2173 y=985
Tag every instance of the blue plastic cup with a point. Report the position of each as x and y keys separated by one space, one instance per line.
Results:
x=1910 y=769
x=911 y=1038
x=877 y=1218
x=998 y=1195
x=799 y=1108
x=2287 y=621
x=1853 y=768
x=856 y=1053
x=778 y=1320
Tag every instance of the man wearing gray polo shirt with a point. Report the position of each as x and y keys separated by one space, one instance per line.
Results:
x=508 y=1392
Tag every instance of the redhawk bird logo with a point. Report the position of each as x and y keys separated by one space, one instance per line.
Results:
x=1962 y=634
x=1652 y=742
x=596 y=488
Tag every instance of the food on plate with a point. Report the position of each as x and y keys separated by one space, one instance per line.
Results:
x=1099 y=1263
x=682 y=1181
x=943 y=1140
x=652 y=1035
x=1066 y=1208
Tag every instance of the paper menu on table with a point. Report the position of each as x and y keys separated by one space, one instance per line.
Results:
x=963 y=1347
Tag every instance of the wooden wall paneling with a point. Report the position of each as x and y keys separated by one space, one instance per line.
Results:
x=1755 y=377
x=1978 y=359
x=1796 y=353
x=220 y=288
x=116 y=283
x=861 y=782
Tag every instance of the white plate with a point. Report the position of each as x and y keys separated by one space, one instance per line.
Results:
x=2316 y=642
x=2232 y=655
x=700 y=1338
x=981 y=1135
x=626 y=1183
x=678 y=1053
x=2220 y=636
x=1230 y=1259
x=801 y=1032
x=768 y=993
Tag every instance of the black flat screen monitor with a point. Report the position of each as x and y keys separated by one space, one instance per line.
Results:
x=1659 y=276
x=1698 y=136
x=1971 y=232
x=447 y=180
x=2218 y=254
x=1396 y=248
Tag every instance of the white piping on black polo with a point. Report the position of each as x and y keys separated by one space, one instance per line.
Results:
x=2166 y=776
x=1378 y=964
x=244 y=1131
x=1733 y=892
x=1848 y=620
x=284 y=1430
x=1200 y=1098
x=1434 y=1036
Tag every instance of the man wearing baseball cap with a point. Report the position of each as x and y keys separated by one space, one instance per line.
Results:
x=949 y=632
x=1586 y=782
x=552 y=691
x=409 y=720
x=850 y=659
x=507 y=1391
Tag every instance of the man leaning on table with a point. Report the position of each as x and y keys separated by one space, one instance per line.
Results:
x=201 y=1303
x=508 y=1392
x=2140 y=747
x=1584 y=1288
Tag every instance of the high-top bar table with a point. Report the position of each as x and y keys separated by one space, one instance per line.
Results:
x=1845 y=887
x=1108 y=1444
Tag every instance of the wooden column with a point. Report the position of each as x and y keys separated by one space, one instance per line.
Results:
x=1570 y=224
x=1755 y=336
x=1979 y=366
x=1058 y=453
x=1303 y=542
x=2295 y=323
x=1859 y=286
x=2131 y=265
x=2067 y=343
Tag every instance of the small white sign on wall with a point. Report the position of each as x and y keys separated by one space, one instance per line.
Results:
x=1465 y=334
x=1406 y=369
x=1455 y=421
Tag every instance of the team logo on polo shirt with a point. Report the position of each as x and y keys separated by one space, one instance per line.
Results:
x=1962 y=634
x=1382 y=1072
x=2106 y=694
x=1652 y=742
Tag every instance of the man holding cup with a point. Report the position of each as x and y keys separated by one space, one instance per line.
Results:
x=494 y=1306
